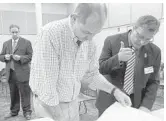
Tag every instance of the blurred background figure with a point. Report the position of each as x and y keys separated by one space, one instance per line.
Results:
x=17 y=53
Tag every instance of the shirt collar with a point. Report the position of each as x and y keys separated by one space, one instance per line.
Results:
x=74 y=38
x=15 y=40
x=129 y=40
x=70 y=27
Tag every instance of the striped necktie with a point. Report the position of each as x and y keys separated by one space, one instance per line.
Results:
x=14 y=45
x=129 y=75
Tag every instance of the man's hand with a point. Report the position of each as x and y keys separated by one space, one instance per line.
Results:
x=144 y=109
x=54 y=112
x=16 y=57
x=124 y=53
x=7 y=57
x=122 y=98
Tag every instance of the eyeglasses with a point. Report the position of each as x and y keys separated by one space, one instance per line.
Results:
x=142 y=38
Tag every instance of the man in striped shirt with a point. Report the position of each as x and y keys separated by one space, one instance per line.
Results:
x=64 y=57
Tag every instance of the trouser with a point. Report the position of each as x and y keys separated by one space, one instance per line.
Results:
x=64 y=111
x=19 y=89
x=101 y=110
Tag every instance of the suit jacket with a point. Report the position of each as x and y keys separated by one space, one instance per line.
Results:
x=145 y=85
x=23 y=49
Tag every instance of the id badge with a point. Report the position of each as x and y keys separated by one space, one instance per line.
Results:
x=148 y=70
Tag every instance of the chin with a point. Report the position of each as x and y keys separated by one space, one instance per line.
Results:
x=137 y=46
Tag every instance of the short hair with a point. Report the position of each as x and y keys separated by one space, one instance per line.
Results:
x=149 y=22
x=13 y=26
x=84 y=10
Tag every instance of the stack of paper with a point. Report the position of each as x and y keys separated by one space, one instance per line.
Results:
x=117 y=112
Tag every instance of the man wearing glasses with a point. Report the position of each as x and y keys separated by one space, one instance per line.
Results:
x=131 y=62
x=17 y=53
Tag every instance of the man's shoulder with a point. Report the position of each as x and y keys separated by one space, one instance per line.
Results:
x=6 y=42
x=115 y=37
x=54 y=26
x=154 y=48
x=24 y=39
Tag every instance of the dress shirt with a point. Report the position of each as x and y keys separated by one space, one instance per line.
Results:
x=13 y=41
x=59 y=65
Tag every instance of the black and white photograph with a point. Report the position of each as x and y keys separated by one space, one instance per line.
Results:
x=81 y=61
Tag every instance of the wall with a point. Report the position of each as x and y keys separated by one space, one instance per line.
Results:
x=23 y=14
x=26 y=7
x=59 y=8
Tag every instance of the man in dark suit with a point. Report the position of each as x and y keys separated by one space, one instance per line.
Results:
x=139 y=79
x=17 y=53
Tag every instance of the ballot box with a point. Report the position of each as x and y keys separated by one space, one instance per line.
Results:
x=117 y=112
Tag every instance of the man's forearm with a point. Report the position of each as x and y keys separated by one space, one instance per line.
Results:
x=100 y=82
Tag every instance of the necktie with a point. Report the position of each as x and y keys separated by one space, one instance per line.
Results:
x=129 y=75
x=14 y=45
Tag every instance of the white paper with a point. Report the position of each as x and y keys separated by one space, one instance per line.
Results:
x=117 y=112
x=42 y=119
x=159 y=113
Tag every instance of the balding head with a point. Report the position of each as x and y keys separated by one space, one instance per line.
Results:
x=97 y=10
x=88 y=19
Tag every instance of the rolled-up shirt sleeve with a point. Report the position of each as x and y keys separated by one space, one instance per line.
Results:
x=45 y=68
x=93 y=77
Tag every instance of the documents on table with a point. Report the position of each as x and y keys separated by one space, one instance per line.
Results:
x=117 y=112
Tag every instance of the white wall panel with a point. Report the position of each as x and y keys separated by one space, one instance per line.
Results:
x=140 y=9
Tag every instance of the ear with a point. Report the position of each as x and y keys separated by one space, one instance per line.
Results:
x=73 y=18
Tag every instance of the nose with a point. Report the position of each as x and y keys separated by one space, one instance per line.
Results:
x=14 y=34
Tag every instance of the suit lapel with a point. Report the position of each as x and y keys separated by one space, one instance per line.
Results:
x=124 y=38
x=18 y=44
x=139 y=76
x=10 y=46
